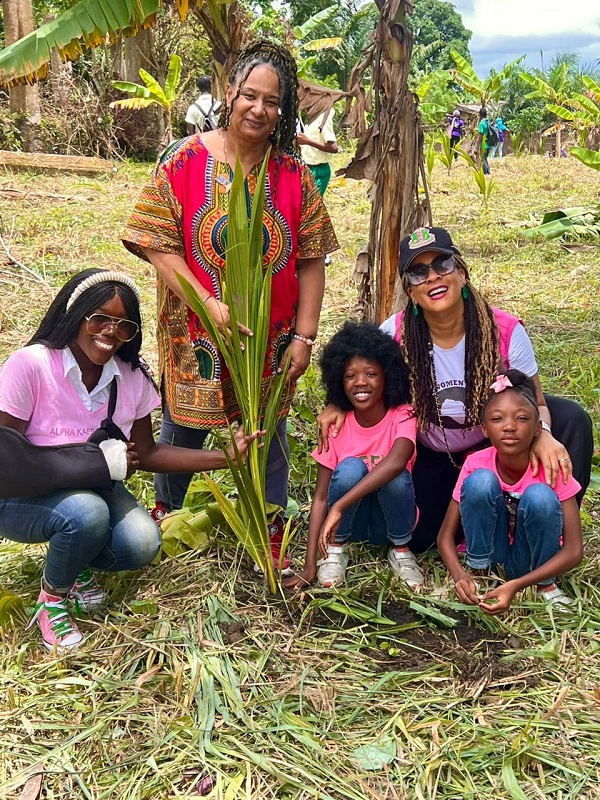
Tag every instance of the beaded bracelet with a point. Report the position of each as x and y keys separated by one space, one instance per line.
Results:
x=308 y=342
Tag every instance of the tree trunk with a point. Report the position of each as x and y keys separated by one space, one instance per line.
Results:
x=558 y=142
x=390 y=154
x=225 y=33
x=136 y=54
x=61 y=74
x=24 y=99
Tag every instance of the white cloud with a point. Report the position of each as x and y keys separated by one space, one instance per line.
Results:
x=505 y=29
x=521 y=18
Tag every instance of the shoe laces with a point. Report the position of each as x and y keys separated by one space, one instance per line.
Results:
x=58 y=617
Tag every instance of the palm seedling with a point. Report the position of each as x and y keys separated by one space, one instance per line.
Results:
x=246 y=289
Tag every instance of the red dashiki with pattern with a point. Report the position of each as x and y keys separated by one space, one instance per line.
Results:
x=184 y=210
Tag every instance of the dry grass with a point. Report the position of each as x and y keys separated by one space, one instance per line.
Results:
x=194 y=672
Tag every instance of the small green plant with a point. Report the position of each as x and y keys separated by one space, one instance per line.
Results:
x=247 y=291
x=517 y=141
x=485 y=184
x=429 y=158
x=446 y=154
x=153 y=94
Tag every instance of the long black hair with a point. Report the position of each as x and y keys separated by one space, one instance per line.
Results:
x=281 y=60
x=60 y=327
x=364 y=340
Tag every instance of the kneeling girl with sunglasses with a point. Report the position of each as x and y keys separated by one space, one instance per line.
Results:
x=510 y=517
x=364 y=489
x=83 y=360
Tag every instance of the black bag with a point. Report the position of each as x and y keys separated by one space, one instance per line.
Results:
x=493 y=135
x=29 y=470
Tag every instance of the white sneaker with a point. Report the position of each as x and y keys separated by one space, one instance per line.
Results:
x=332 y=570
x=404 y=564
x=556 y=597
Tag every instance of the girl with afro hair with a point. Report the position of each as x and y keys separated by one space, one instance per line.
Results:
x=511 y=517
x=364 y=489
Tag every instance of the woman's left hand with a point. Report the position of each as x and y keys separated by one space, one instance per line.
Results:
x=299 y=355
x=553 y=457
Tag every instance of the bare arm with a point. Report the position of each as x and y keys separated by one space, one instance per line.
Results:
x=464 y=586
x=8 y=421
x=168 y=265
x=318 y=513
x=311 y=286
x=325 y=147
x=330 y=416
x=155 y=457
x=546 y=450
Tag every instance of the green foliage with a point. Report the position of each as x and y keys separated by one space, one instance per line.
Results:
x=569 y=223
x=11 y=609
x=591 y=158
x=247 y=293
x=485 y=90
x=435 y=21
x=446 y=152
x=484 y=183
x=10 y=132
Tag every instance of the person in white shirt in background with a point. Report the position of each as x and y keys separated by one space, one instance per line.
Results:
x=317 y=146
x=202 y=115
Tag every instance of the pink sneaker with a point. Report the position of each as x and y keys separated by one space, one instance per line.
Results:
x=86 y=593
x=59 y=632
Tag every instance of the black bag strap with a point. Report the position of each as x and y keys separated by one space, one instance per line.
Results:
x=108 y=429
x=112 y=401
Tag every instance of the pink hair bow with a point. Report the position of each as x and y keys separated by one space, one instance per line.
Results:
x=500 y=384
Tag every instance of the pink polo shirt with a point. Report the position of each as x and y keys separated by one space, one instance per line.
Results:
x=33 y=387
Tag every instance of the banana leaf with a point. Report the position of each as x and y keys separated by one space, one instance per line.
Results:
x=591 y=158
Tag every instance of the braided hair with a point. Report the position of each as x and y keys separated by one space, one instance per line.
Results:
x=281 y=60
x=521 y=384
x=482 y=356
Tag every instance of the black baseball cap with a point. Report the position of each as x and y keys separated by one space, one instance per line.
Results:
x=437 y=239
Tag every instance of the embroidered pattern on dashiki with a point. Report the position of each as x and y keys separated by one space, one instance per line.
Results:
x=183 y=210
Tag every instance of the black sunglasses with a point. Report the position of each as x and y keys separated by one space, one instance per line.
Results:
x=126 y=329
x=418 y=273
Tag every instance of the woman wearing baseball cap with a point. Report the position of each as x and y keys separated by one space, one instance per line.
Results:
x=455 y=343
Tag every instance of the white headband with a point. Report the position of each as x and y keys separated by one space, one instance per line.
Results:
x=102 y=277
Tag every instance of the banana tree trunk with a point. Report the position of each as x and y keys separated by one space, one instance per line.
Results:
x=390 y=154
x=222 y=23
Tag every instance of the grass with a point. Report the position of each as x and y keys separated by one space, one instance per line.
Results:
x=194 y=673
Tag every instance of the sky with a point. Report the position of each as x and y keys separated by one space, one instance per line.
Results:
x=505 y=29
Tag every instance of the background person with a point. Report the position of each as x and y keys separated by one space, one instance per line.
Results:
x=202 y=115
x=455 y=130
x=502 y=131
x=483 y=140
x=179 y=224
x=57 y=391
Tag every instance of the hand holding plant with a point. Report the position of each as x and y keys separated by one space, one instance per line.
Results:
x=219 y=313
x=241 y=442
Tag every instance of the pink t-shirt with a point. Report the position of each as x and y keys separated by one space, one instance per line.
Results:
x=371 y=444
x=486 y=459
x=33 y=387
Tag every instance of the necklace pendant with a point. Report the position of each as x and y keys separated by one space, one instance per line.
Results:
x=224 y=183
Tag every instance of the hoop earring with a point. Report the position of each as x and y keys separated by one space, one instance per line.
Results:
x=465 y=291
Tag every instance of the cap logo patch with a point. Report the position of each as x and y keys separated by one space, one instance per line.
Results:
x=420 y=238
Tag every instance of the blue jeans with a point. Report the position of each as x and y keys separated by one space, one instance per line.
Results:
x=387 y=515
x=485 y=164
x=105 y=530
x=537 y=533
x=171 y=489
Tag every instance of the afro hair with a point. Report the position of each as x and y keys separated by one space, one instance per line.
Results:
x=364 y=340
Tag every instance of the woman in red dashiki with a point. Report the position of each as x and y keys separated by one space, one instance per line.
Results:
x=179 y=224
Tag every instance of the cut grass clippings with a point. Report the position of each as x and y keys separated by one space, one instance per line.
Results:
x=195 y=678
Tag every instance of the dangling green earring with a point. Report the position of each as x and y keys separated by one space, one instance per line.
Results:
x=415 y=309
x=465 y=291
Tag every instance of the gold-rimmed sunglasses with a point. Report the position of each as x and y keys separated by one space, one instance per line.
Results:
x=126 y=329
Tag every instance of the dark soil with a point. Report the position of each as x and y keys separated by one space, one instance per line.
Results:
x=473 y=653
